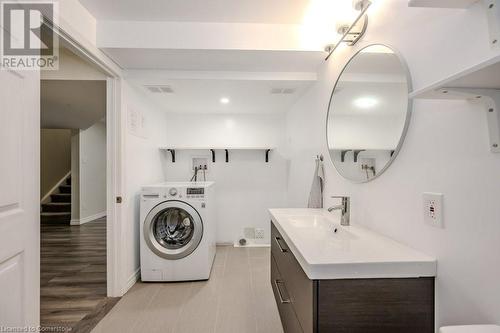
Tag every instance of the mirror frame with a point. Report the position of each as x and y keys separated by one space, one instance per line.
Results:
x=409 y=109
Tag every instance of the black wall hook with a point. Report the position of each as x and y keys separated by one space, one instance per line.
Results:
x=172 y=152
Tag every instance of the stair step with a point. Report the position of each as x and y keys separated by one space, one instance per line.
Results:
x=56 y=214
x=55 y=217
x=56 y=207
x=65 y=189
x=61 y=197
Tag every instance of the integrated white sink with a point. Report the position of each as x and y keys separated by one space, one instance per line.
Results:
x=316 y=226
x=327 y=250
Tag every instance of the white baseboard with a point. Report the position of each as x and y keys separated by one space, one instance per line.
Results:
x=87 y=219
x=131 y=280
x=224 y=244
x=250 y=244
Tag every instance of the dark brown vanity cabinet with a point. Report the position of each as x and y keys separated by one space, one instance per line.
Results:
x=396 y=305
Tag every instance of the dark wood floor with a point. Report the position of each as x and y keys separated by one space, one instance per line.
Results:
x=73 y=276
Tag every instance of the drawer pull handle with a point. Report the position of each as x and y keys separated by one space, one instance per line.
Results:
x=277 y=239
x=277 y=284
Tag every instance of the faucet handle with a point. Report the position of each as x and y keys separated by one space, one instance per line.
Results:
x=346 y=209
x=346 y=201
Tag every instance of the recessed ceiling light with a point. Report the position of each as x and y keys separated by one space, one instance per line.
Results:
x=365 y=102
x=224 y=100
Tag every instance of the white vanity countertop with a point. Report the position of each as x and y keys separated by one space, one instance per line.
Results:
x=353 y=252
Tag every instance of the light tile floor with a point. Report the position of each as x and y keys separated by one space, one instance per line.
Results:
x=237 y=298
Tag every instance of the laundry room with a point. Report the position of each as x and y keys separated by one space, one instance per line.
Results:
x=250 y=166
x=250 y=177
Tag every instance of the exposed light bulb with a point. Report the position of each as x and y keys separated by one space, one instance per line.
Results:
x=320 y=20
x=224 y=100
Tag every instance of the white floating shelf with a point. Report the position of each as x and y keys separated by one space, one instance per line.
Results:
x=480 y=84
x=365 y=148
x=481 y=76
x=442 y=3
x=213 y=149
x=216 y=148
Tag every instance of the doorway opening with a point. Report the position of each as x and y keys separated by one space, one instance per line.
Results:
x=76 y=185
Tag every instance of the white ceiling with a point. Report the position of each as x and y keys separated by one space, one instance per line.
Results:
x=160 y=51
x=276 y=35
x=246 y=96
x=217 y=60
x=76 y=104
x=244 y=11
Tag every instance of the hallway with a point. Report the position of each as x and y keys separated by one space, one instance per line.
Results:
x=73 y=275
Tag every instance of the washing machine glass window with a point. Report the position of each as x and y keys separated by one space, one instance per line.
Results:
x=173 y=229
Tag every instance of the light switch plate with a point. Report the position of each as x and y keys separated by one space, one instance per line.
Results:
x=433 y=209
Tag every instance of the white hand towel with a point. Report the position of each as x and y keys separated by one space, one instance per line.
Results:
x=316 y=195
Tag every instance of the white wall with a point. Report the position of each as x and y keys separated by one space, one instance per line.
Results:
x=75 y=176
x=446 y=150
x=246 y=186
x=142 y=166
x=55 y=157
x=93 y=172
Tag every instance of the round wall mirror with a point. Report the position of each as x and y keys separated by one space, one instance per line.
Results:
x=368 y=114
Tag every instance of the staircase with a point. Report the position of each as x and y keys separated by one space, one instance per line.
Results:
x=58 y=210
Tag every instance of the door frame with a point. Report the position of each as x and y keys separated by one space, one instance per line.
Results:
x=114 y=158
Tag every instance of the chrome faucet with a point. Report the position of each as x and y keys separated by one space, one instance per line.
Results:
x=345 y=208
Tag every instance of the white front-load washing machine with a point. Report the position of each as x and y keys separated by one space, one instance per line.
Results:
x=177 y=231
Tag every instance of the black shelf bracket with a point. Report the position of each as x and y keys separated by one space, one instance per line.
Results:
x=213 y=155
x=267 y=155
x=356 y=153
x=227 y=155
x=172 y=152
x=342 y=155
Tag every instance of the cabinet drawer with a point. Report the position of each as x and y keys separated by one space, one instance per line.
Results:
x=300 y=288
x=287 y=314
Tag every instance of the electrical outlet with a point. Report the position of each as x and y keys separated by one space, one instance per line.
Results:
x=259 y=233
x=249 y=232
x=433 y=209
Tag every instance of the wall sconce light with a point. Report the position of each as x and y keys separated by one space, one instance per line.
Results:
x=351 y=34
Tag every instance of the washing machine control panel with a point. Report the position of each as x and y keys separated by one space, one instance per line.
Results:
x=195 y=192
x=172 y=192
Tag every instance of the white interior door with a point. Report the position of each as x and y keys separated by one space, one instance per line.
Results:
x=19 y=198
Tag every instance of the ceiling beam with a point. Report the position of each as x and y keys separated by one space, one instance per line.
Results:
x=200 y=35
x=153 y=76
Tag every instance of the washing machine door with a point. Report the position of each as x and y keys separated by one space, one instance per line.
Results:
x=173 y=229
